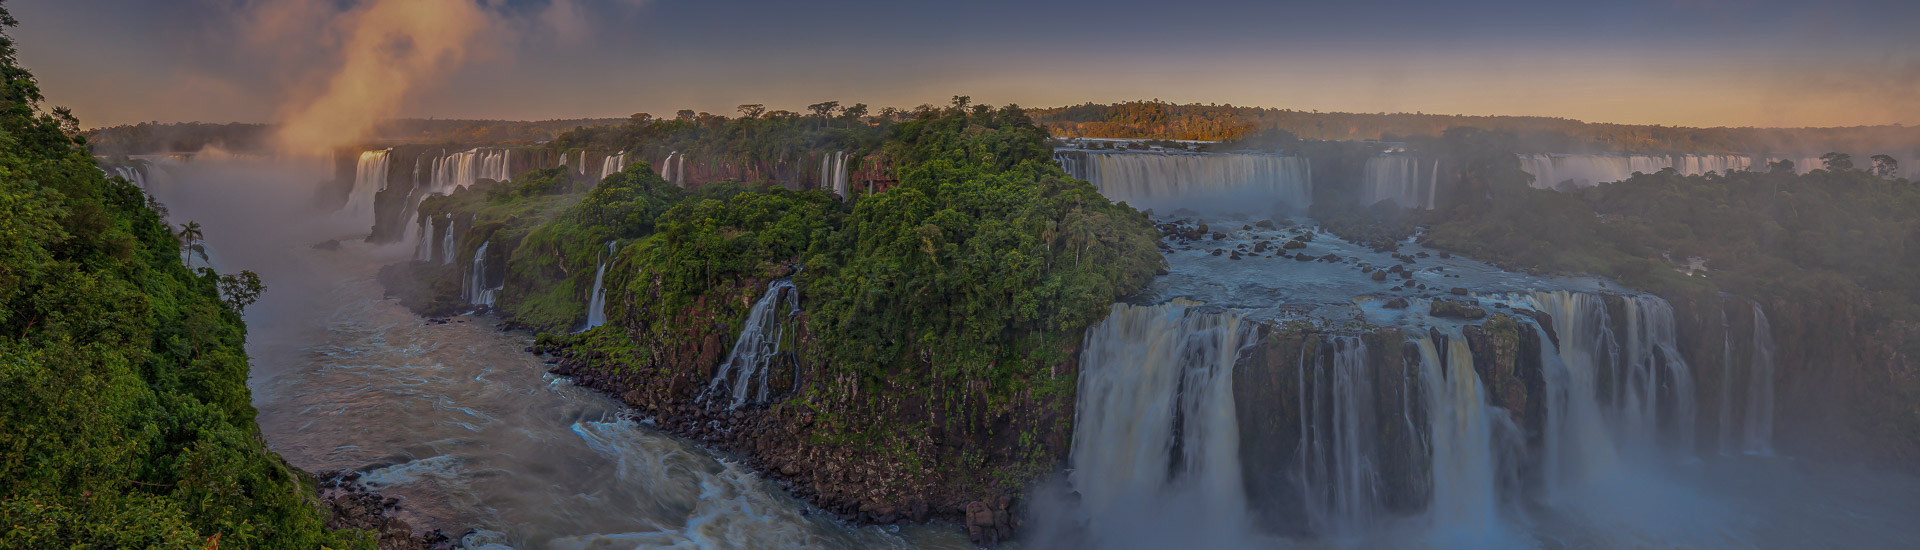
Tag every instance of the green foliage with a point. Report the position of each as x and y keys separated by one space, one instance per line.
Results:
x=987 y=257
x=126 y=420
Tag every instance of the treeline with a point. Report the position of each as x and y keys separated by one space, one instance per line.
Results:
x=125 y=419
x=1160 y=120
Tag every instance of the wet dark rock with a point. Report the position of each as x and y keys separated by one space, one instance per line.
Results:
x=1456 y=309
x=1379 y=276
x=1458 y=291
x=1396 y=303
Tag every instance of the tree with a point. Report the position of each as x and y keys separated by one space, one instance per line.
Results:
x=824 y=110
x=240 y=290
x=1885 y=166
x=855 y=113
x=1782 y=166
x=684 y=114
x=752 y=110
x=961 y=101
x=190 y=236
x=1837 y=161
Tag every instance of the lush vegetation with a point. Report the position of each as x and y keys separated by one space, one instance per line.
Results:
x=125 y=420
x=1155 y=119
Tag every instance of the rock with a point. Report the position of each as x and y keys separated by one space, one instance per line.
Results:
x=1454 y=309
x=1379 y=276
x=980 y=528
x=1396 y=303
x=1160 y=271
x=1444 y=255
x=1457 y=291
x=1295 y=244
x=1260 y=246
x=1234 y=256
x=1216 y=252
x=1264 y=224
x=1246 y=228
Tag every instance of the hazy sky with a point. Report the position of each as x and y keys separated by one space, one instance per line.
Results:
x=1679 y=62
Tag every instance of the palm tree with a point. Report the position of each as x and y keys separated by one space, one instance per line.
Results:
x=190 y=236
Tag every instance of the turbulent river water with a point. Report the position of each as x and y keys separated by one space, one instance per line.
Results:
x=459 y=421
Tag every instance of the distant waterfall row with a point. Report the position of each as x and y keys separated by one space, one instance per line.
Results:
x=1407 y=181
x=1191 y=418
x=463 y=169
x=1588 y=170
x=1167 y=179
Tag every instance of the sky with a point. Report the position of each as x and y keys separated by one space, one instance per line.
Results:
x=1673 y=62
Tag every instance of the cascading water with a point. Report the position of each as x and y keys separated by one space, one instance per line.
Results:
x=597 y=302
x=369 y=178
x=1338 y=440
x=1726 y=444
x=1156 y=444
x=763 y=340
x=1169 y=179
x=613 y=165
x=1758 y=430
x=668 y=171
x=1401 y=180
x=833 y=172
x=477 y=291
x=465 y=168
x=448 y=239
x=1578 y=446
x=1553 y=171
x=1465 y=507
x=423 y=251
x=1654 y=373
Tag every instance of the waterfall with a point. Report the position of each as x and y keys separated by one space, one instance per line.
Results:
x=1465 y=479
x=583 y=162
x=597 y=302
x=1553 y=171
x=833 y=173
x=369 y=178
x=465 y=168
x=447 y=240
x=1759 y=425
x=1726 y=383
x=1577 y=445
x=1398 y=178
x=613 y=165
x=477 y=291
x=1156 y=444
x=1073 y=162
x=1653 y=368
x=667 y=171
x=1339 y=440
x=762 y=341
x=1147 y=179
x=423 y=251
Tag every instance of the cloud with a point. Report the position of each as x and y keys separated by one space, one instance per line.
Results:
x=386 y=48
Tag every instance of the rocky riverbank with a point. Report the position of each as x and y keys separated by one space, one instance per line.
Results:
x=355 y=506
